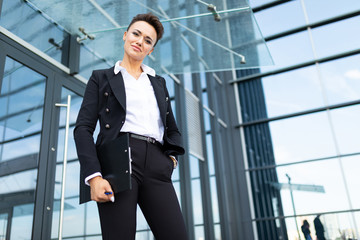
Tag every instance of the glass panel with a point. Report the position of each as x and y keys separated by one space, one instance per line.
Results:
x=194 y=167
x=217 y=232
x=311 y=199
x=78 y=219
x=293 y=91
x=147 y=235
x=197 y=201
x=317 y=12
x=327 y=43
x=346 y=128
x=90 y=61
x=351 y=166
x=20 y=19
x=341 y=79
x=3 y=225
x=186 y=43
x=290 y=50
x=302 y=138
x=214 y=200
x=255 y=3
x=199 y=233
x=280 y=18
x=21 y=116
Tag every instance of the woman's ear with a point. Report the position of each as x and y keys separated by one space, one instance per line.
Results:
x=151 y=51
x=124 y=36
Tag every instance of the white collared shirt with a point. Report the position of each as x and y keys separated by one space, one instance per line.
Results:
x=142 y=110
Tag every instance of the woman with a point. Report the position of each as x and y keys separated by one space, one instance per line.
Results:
x=129 y=97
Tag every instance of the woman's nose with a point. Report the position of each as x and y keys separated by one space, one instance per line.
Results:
x=140 y=41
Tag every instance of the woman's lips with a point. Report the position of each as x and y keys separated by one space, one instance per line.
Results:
x=136 y=48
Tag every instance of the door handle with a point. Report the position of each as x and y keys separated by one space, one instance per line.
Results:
x=62 y=201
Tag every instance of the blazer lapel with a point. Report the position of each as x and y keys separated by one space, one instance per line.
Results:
x=117 y=85
x=160 y=96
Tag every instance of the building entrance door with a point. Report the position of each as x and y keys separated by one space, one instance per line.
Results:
x=22 y=100
x=32 y=143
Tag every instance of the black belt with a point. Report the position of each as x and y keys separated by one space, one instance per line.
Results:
x=144 y=138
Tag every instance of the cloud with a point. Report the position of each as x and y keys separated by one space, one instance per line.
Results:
x=353 y=74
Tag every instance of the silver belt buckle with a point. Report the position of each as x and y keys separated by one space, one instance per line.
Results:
x=150 y=140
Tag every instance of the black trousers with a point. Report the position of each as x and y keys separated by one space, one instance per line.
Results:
x=152 y=189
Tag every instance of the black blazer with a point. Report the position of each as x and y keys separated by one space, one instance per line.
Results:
x=105 y=100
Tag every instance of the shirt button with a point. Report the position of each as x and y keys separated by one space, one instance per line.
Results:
x=107 y=126
x=106 y=94
x=107 y=110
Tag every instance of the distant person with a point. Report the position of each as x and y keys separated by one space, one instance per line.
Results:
x=319 y=228
x=305 y=228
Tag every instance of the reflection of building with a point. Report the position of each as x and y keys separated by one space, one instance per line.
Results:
x=251 y=126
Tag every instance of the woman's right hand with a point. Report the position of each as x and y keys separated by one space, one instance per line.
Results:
x=98 y=188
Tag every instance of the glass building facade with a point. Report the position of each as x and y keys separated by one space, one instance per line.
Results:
x=267 y=147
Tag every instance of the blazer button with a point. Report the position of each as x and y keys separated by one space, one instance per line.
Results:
x=167 y=113
x=106 y=94
x=166 y=99
x=166 y=128
x=107 y=110
x=107 y=126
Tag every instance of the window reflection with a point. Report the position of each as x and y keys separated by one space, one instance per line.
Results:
x=20 y=19
x=283 y=17
x=78 y=219
x=3 y=225
x=347 y=129
x=326 y=173
x=302 y=138
x=21 y=116
x=290 y=50
x=294 y=91
x=315 y=9
x=341 y=79
x=327 y=43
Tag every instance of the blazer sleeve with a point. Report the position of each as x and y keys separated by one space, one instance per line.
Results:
x=85 y=126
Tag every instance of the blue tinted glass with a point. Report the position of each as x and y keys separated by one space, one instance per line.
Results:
x=351 y=165
x=210 y=154
x=20 y=19
x=293 y=91
x=302 y=138
x=90 y=61
x=347 y=129
x=290 y=50
x=322 y=9
x=197 y=201
x=194 y=167
x=326 y=174
x=341 y=79
x=337 y=37
x=280 y=18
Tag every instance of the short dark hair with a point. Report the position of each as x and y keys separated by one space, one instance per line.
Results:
x=153 y=21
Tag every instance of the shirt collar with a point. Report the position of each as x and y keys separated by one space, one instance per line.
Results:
x=146 y=69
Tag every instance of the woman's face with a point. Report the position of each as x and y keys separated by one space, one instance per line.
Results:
x=139 y=40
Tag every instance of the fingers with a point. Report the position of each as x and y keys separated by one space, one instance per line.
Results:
x=109 y=192
x=101 y=190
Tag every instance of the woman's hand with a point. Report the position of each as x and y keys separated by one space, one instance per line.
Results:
x=98 y=188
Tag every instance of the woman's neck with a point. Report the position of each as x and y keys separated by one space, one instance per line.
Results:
x=132 y=67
